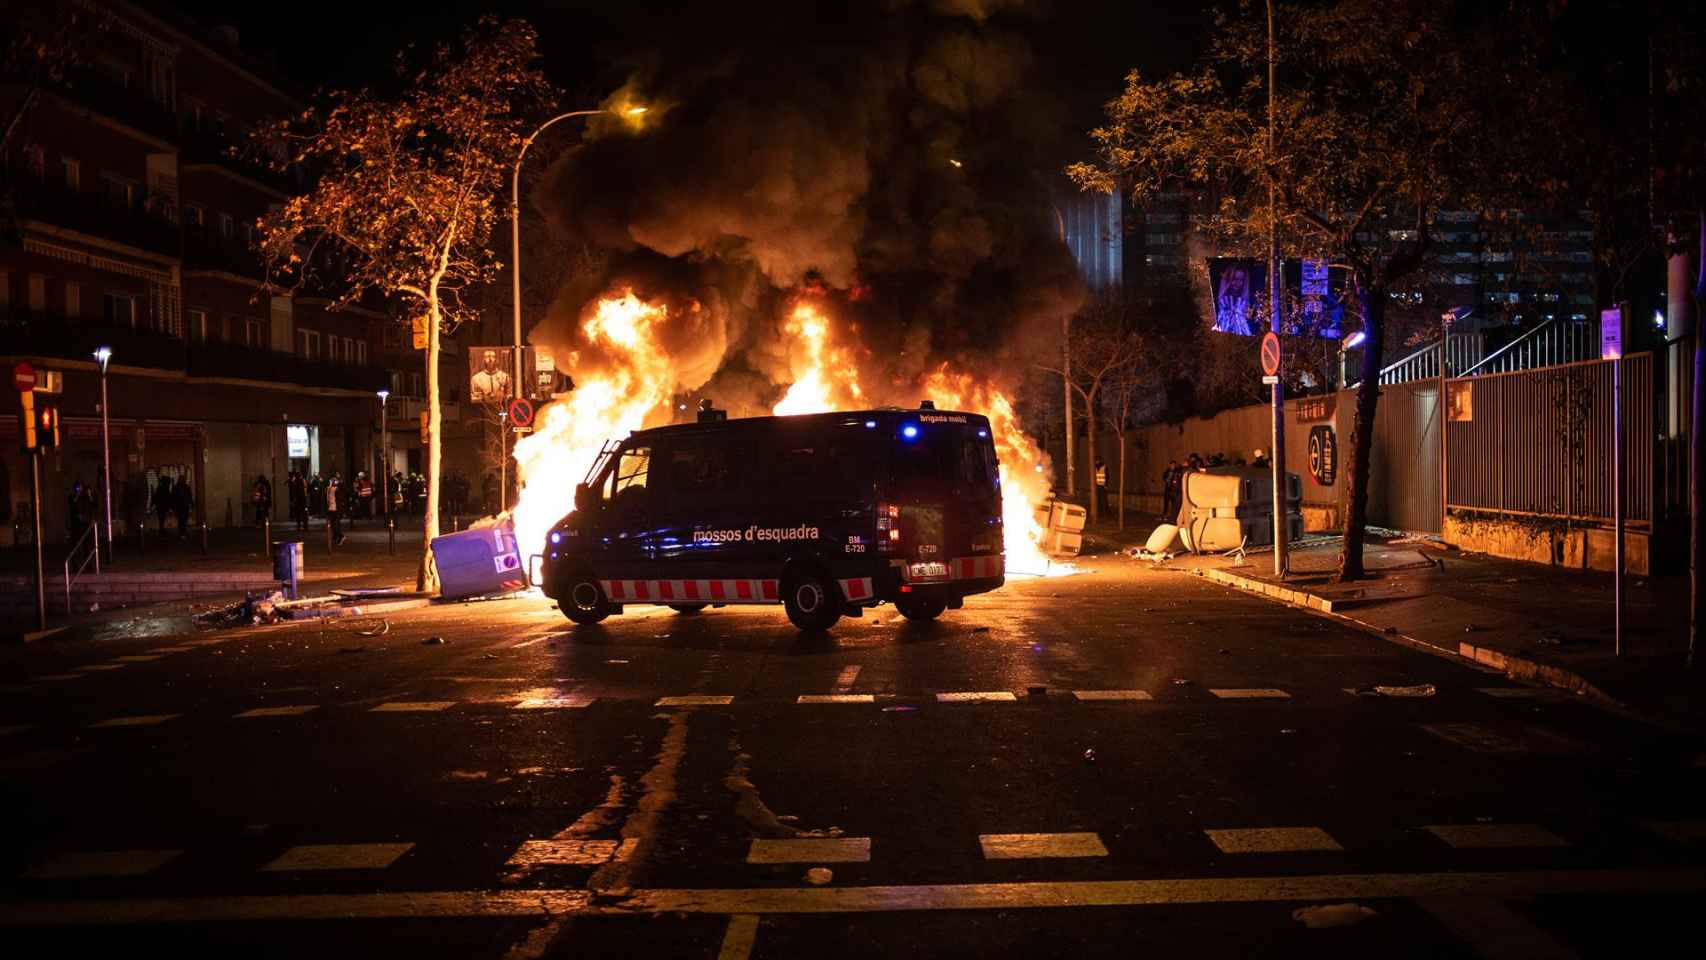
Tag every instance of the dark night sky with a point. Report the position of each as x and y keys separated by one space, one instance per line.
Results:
x=1082 y=47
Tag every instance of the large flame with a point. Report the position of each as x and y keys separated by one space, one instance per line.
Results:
x=825 y=376
x=610 y=400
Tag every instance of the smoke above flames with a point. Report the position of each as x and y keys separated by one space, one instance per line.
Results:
x=880 y=163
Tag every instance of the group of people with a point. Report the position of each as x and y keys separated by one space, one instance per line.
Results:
x=326 y=496
x=163 y=492
x=1173 y=478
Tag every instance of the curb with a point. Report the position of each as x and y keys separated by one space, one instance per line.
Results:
x=1513 y=667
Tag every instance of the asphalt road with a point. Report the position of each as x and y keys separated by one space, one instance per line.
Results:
x=1118 y=763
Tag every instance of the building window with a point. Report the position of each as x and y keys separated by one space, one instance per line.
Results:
x=227 y=226
x=308 y=344
x=38 y=293
x=361 y=353
x=5 y=289
x=254 y=334
x=198 y=325
x=120 y=190
x=73 y=300
x=194 y=215
x=119 y=310
x=415 y=386
x=73 y=173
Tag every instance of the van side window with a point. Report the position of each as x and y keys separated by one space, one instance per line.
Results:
x=977 y=467
x=632 y=466
x=699 y=466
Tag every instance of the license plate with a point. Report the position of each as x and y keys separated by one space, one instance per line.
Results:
x=918 y=571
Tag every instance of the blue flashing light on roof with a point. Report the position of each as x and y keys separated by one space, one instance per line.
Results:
x=983 y=433
x=556 y=536
x=910 y=431
x=870 y=424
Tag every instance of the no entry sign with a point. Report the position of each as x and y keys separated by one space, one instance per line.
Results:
x=1270 y=354
x=23 y=378
x=521 y=412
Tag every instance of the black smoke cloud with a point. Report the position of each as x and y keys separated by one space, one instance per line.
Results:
x=888 y=153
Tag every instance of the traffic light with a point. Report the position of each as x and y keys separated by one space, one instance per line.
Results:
x=47 y=426
x=28 y=398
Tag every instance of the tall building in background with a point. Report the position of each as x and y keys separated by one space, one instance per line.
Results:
x=132 y=225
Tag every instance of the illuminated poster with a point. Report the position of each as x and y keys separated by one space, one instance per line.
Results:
x=1238 y=284
x=1315 y=299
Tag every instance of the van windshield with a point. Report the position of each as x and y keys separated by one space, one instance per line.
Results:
x=942 y=458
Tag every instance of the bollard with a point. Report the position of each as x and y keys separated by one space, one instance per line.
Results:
x=328 y=533
x=204 y=539
x=390 y=533
x=266 y=535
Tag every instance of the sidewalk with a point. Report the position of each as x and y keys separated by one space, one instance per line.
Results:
x=1537 y=623
x=169 y=571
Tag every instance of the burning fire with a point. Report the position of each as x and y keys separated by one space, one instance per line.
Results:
x=622 y=378
x=820 y=370
x=629 y=381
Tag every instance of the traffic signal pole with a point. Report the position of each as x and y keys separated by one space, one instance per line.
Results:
x=35 y=512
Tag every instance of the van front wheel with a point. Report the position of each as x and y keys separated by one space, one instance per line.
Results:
x=584 y=601
x=812 y=602
x=920 y=610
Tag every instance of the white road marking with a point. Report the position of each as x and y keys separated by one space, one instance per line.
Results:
x=738 y=938
x=836 y=698
x=528 y=643
x=413 y=706
x=537 y=942
x=553 y=703
x=1112 y=694
x=142 y=721
x=103 y=666
x=536 y=853
x=1478 y=836
x=140 y=658
x=992 y=696
x=207 y=641
x=694 y=701
x=1474 y=736
x=338 y=856
x=1273 y=840
x=844 y=680
x=548 y=903
x=1249 y=693
x=1494 y=930
x=101 y=863
x=14 y=728
x=274 y=712
x=811 y=850
x=59 y=676
x=183 y=648
x=1681 y=831
x=1036 y=846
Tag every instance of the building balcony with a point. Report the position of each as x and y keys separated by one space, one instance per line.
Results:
x=51 y=335
x=144 y=225
x=213 y=359
x=214 y=147
x=127 y=105
x=206 y=250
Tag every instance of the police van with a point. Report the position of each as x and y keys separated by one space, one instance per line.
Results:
x=825 y=514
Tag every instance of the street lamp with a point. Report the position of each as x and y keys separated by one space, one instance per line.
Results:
x=385 y=469
x=103 y=355
x=1349 y=343
x=515 y=225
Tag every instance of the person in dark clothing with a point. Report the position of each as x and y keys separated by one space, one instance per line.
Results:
x=181 y=500
x=163 y=500
x=298 y=491
x=334 y=508
x=1101 y=487
x=1171 y=486
x=76 y=520
x=261 y=496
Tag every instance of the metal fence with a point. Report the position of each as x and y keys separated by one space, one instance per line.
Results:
x=1464 y=350
x=1539 y=442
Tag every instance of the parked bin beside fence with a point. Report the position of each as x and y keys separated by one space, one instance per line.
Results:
x=287 y=564
x=1223 y=508
x=478 y=562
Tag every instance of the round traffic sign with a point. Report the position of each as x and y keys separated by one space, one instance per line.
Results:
x=521 y=412
x=1270 y=354
x=23 y=378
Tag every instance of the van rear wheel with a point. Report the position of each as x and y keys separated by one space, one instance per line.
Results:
x=812 y=602
x=920 y=609
x=687 y=608
x=584 y=601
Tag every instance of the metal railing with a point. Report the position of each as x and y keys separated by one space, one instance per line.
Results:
x=92 y=534
x=1423 y=363
x=1548 y=345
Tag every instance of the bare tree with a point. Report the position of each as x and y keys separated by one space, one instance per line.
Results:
x=407 y=190
x=1099 y=345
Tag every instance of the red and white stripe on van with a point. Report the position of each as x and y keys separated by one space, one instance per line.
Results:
x=975 y=568
x=692 y=591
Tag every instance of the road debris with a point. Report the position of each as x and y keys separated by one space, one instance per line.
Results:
x=432 y=641
x=1324 y=916
x=979 y=629
x=1090 y=754
x=1181 y=682
x=818 y=876
x=371 y=628
x=1416 y=690
x=899 y=708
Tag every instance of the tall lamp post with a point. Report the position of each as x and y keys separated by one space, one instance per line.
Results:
x=102 y=356
x=515 y=228
x=385 y=469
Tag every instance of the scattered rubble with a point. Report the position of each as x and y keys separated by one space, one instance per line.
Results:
x=1332 y=915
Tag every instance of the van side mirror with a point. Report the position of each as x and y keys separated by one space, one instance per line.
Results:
x=585 y=501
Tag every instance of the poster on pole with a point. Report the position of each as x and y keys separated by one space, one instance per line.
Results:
x=489 y=373
x=1238 y=284
x=1315 y=294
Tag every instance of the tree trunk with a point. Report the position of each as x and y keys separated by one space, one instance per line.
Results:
x=1697 y=457
x=426 y=580
x=1090 y=448
x=1362 y=432
x=1121 y=509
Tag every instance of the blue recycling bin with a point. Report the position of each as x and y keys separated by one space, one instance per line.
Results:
x=479 y=562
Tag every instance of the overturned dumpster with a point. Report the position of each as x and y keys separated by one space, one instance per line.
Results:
x=479 y=562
